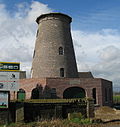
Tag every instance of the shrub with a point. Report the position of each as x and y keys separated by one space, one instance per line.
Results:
x=78 y=118
x=75 y=115
x=86 y=121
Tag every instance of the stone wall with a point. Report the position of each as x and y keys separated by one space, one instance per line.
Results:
x=4 y=116
x=36 y=112
x=28 y=111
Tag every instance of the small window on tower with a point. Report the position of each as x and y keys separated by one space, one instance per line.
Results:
x=61 y=72
x=37 y=33
x=61 y=51
x=34 y=54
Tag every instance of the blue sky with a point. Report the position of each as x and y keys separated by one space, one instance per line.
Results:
x=95 y=32
x=88 y=15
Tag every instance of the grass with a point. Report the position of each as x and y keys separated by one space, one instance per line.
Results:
x=3 y=106
x=116 y=98
x=78 y=118
x=49 y=123
x=74 y=120
x=107 y=114
x=61 y=123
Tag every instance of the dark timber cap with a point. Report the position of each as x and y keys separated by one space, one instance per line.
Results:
x=53 y=15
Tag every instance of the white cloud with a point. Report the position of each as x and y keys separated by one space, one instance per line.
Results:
x=36 y=9
x=101 y=53
x=97 y=52
x=17 y=32
x=110 y=53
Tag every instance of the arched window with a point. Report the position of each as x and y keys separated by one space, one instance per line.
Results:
x=21 y=94
x=61 y=51
x=61 y=72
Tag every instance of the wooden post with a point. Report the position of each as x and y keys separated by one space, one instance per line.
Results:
x=19 y=112
x=90 y=108
x=14 y=95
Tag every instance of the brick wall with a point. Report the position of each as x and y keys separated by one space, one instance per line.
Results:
x=54 y=32
x=4 y=116
x=61 y=84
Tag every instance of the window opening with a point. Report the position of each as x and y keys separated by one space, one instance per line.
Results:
x=61 y=52
x=61 y=72
x=94 y=95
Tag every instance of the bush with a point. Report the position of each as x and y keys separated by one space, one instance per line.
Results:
x=86 y=121
x=75 y=115
x=78 y=118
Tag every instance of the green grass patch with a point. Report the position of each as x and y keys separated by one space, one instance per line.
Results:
x=116 y=99
x=78 y=118
x=3 y=106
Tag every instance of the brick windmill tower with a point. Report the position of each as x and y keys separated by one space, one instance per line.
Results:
x=54 y=66
x=54 y=53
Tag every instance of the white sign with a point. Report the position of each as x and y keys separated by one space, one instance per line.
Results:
x=3 y=99
x=9 y=81
x=74 y=82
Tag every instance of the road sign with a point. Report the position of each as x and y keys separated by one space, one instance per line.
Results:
x=9 y=66
x=9 y=81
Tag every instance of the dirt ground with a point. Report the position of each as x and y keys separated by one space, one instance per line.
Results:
x=107 y=114
x=110 y=116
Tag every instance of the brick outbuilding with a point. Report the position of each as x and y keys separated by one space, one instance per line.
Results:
x=98 y=89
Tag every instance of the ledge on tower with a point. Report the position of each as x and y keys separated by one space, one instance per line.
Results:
x=54 y=14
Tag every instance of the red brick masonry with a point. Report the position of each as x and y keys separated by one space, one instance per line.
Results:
x=61 y=84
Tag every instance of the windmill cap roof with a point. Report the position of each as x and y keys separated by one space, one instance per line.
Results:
x=53 y=14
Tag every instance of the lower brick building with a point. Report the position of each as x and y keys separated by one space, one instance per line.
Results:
x=87 y=86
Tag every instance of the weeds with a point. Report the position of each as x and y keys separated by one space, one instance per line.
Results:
x=78 y=118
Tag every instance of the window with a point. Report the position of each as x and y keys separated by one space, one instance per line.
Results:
x=94 y=95
x=61 y=52
x=37 y=33
x=21 y=94
x=61 y=72
x=34 y=54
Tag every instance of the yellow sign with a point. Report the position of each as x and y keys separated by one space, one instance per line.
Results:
x=9 y=66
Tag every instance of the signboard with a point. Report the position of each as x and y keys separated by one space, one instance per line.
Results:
x=3 y=99
x=9 y=66
x=9 y=81
x=74 y=82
